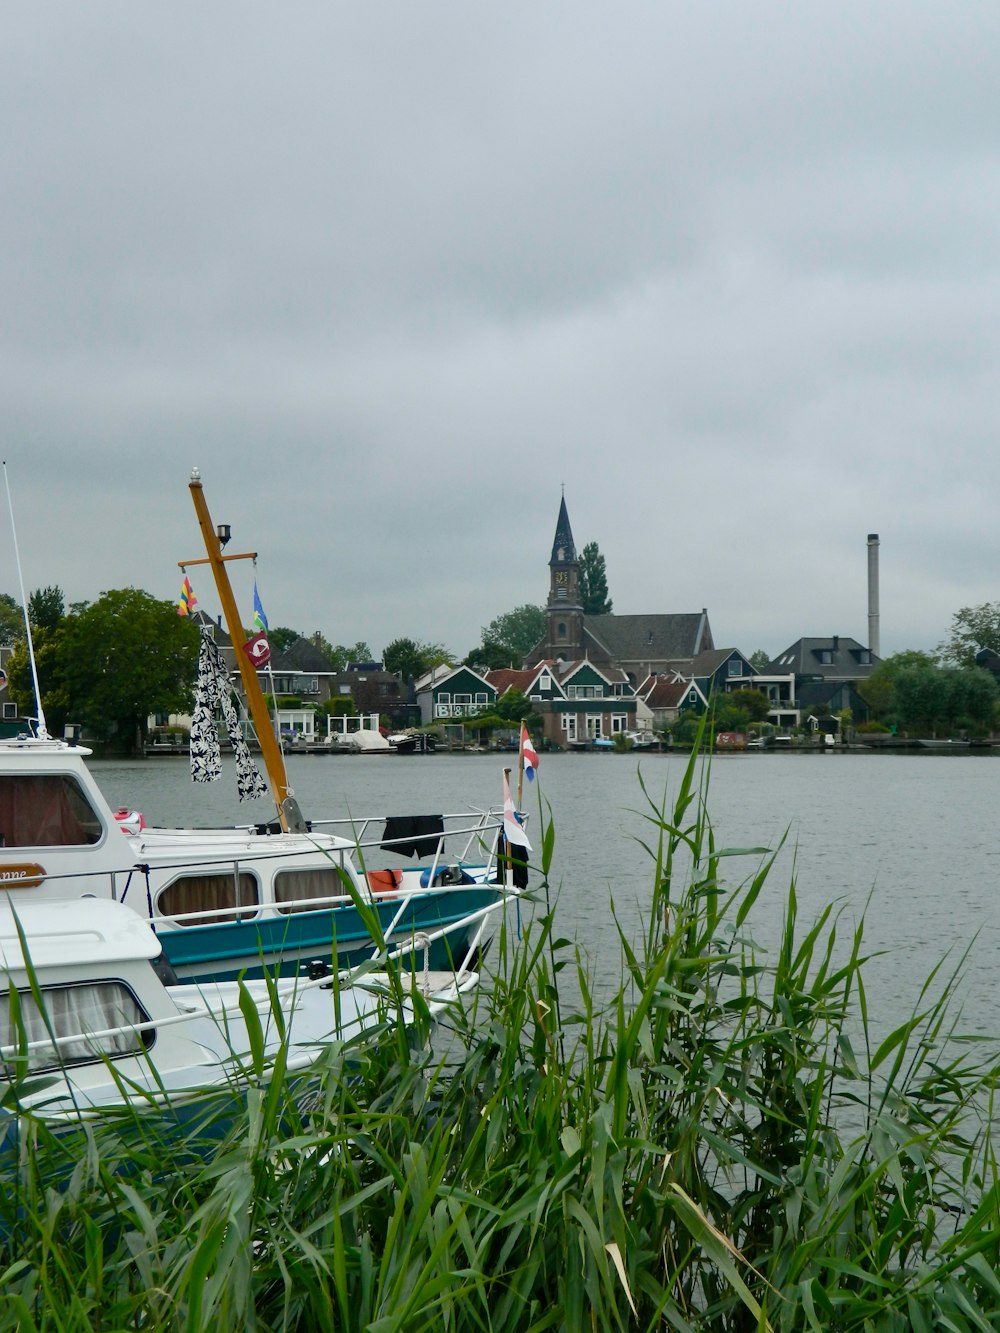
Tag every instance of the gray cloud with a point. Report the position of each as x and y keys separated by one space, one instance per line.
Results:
x=390 y=275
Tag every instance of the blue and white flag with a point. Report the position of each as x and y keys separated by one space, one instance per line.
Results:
x=259 y=618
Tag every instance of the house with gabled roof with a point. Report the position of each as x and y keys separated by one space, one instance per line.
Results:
x=660 y=700
x=828 y=659
x=822 y=674
x=539 y=684
x=722 y=670
x=303 y=671
x=598 y=704
x=579 y=702
x=452 y=694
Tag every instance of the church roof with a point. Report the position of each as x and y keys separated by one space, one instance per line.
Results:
x=654 y=637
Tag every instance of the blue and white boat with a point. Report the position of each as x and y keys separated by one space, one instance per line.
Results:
x=242 y=900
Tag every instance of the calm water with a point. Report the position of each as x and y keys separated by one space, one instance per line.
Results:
x=909 y=840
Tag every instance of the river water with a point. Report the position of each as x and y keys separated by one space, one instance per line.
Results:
x=908 y=840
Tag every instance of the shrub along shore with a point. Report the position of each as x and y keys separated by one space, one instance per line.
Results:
x=719 y=1148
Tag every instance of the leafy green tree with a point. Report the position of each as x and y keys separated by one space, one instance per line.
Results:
x=513 y=707
x=126 y=656
x=50 y=660
x=878 y=689
x=594 y=582
x=754 y=703
x=931 y=699
x=342 y=657
x=410 y=657
x=46 y=607
x=11 y=619
x=759 y=659
x=508 y=638
x=281 y=638
x=972 y=628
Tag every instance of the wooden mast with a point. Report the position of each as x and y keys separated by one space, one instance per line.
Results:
x=289 y=814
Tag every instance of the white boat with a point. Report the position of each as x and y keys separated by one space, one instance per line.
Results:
x=237 y=901
x=91 y=1025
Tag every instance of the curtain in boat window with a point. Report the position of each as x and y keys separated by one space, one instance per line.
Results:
x=298 y=890
x=213 y=691
x=45 y=810
x=209 y=893
x=106 y=1009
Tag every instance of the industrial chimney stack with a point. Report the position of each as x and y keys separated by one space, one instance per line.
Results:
x=873 y=642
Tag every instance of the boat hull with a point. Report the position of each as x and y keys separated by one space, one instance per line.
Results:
x=337 y=937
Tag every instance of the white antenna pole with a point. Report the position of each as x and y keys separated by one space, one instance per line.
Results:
x=42 y=729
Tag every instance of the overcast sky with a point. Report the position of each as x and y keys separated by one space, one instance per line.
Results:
x=390 y=274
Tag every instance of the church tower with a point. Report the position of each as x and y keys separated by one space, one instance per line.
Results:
x=565 y=609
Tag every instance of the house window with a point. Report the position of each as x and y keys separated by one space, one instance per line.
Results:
x=561 y=630
x=735 y=667
x=569 y=725
x=463 y=699
x=10 y=710
x=545 y=681
x=481 y=699
x=865 y=657
x=594 y=731
x=444 y=697
x=619 y=722
x=826 y=656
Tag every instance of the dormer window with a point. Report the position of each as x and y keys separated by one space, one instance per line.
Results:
x=826 y=656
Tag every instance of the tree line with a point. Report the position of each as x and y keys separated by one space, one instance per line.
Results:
x=112 y=663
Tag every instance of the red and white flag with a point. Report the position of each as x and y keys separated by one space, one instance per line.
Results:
x=258 y=650
x=529 y=755
x=513 y=831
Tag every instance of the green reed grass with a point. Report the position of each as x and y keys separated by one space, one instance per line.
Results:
x=723 y=1146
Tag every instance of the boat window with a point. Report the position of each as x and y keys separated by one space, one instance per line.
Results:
x=215 y=893
x=46 y=810
x=298 y=890
x=107 y=1009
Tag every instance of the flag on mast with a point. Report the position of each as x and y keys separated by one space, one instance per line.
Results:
x=529 y=755
x=258 y=650
x=513 y=831
x=259 y=618
x=187 y=601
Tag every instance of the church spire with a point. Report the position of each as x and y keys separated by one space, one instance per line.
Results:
x=563 y=550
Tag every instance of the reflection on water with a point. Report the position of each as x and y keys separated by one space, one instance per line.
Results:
x=907 y=839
